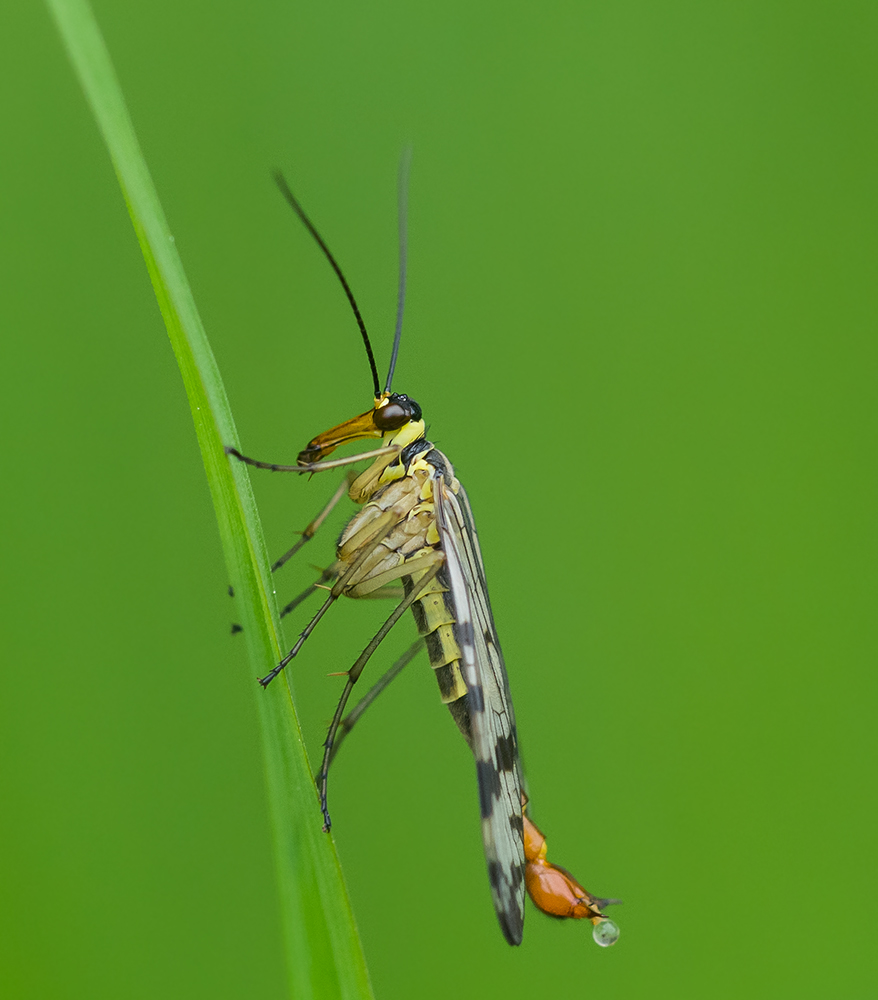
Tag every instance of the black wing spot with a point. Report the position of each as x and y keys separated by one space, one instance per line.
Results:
x=489 y=787
x=476 y=698
x=495 y=874
x=511 y=921
x=516 y=824
x=505 y=750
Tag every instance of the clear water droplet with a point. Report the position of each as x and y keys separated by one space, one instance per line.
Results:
x=605 y=933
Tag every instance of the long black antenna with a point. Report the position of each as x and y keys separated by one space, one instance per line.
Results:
x=403 y=196
x=297 y=208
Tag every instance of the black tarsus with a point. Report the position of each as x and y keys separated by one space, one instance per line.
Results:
x=297 y=208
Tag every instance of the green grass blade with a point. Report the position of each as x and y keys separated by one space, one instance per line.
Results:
x=324 y=954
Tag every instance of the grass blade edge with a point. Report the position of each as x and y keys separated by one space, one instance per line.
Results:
x=324 y=954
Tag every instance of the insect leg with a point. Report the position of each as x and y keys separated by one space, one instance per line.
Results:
x=356 y=713
x=382 y=525
x=326 y=575
x=385 y=593
x=434 y=561
x=330 y=573
x=335 y=463
x=311 y=530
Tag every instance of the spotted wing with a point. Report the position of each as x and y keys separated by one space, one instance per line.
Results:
x=494 y=740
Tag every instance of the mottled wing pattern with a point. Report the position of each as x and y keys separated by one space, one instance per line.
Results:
x=494 y=740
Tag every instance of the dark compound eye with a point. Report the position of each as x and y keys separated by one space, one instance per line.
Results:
x=414 y=409
x=397 y=412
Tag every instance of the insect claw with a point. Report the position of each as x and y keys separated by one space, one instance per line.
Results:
x=268 y=678
x=327 y=822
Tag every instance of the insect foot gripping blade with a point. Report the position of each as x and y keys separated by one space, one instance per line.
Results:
x=557 y=893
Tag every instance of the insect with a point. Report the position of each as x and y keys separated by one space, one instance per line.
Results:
x=416 y=530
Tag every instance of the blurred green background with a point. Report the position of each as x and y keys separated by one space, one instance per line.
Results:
x=641 y=322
